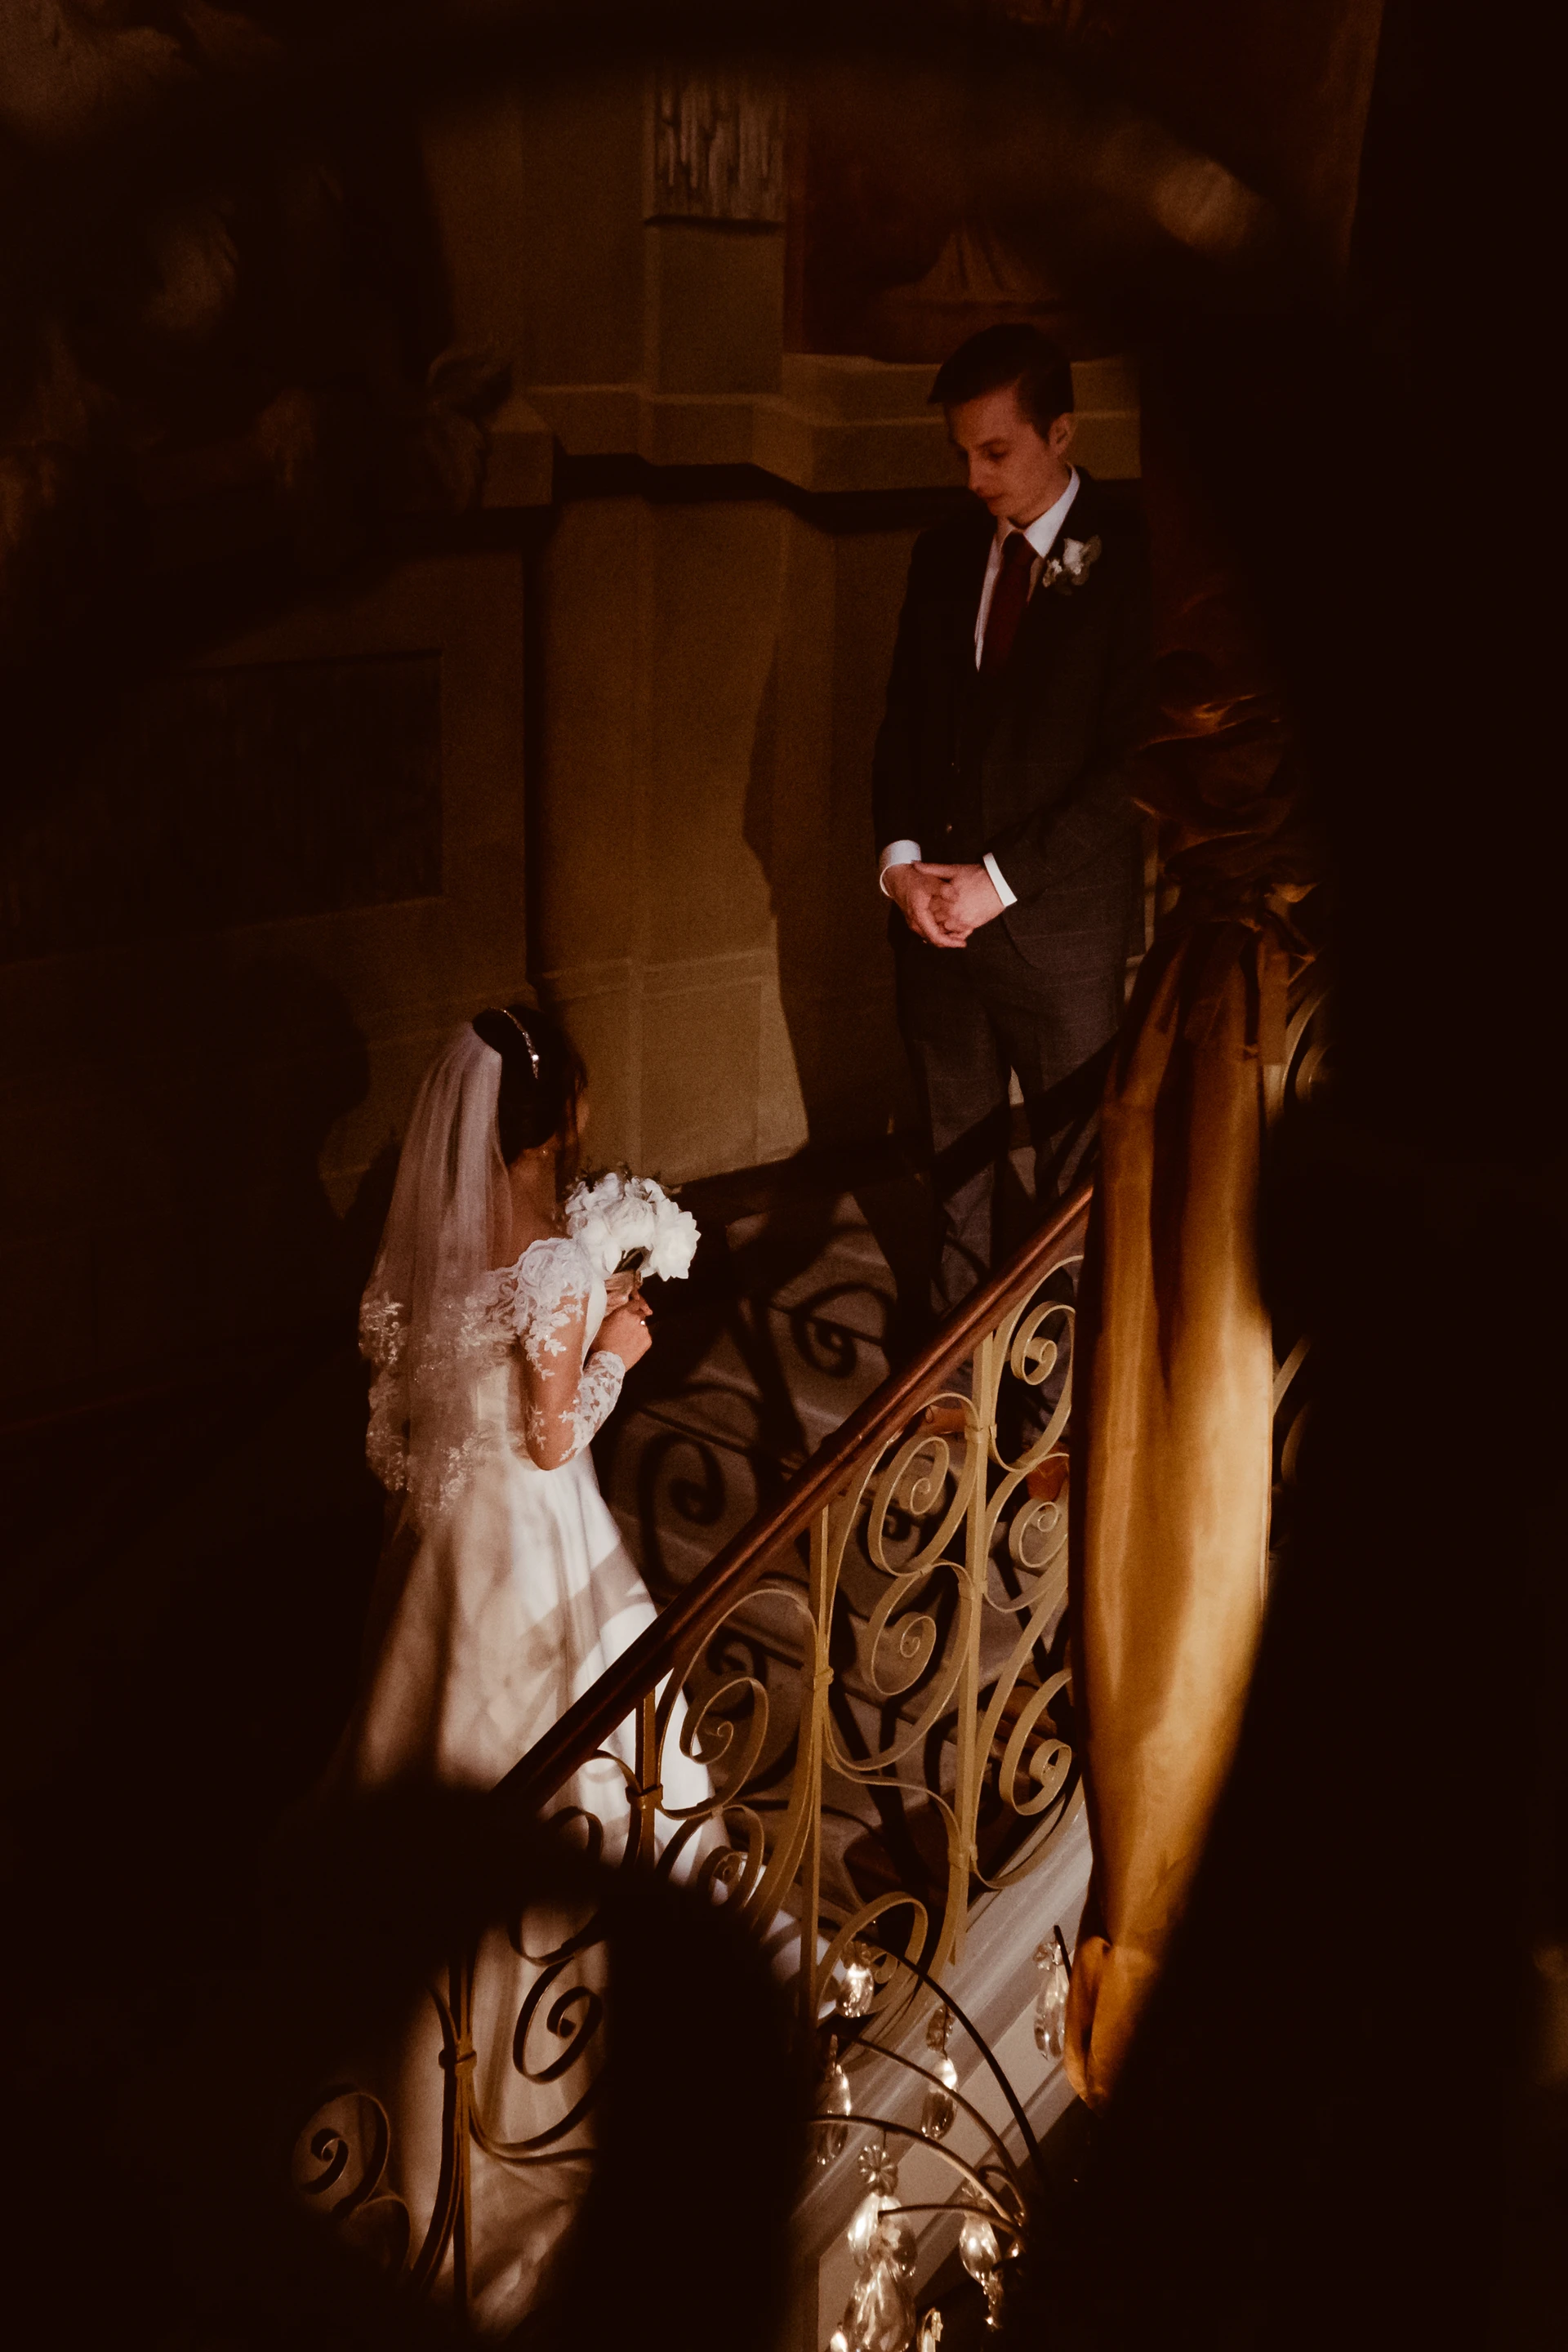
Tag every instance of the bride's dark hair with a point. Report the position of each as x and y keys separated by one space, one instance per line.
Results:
x=541 y=1076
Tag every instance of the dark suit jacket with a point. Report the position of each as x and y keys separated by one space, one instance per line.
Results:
x=1032 y=766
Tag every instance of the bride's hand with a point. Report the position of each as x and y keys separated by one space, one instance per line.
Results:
x=625 y=1333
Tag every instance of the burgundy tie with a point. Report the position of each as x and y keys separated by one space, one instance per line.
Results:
x=1008 y=599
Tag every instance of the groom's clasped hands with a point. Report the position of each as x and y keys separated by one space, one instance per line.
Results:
x=943 y=904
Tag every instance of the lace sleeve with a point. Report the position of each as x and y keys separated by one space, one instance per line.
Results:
x=577 y=1424
x=564 y=1400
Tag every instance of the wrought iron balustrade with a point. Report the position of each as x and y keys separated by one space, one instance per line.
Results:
x=874 y=1676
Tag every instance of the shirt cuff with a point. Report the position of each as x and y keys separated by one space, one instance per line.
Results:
x=896 y=853
x=1008 y=897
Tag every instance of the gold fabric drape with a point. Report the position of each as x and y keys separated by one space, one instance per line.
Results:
x=1175 y=1503
x=1176 y=1366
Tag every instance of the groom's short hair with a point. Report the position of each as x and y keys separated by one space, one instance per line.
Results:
x=999 y=356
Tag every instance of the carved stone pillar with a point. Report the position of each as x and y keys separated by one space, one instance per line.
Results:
x=714 y=147
x=713 y=212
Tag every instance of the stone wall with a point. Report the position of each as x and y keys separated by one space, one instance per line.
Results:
x=197 y=1105
x=706 y=903
x=715 y=612
x=621 y=739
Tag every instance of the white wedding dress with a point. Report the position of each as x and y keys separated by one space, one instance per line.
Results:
x=504 y=1594
x=520 y=1593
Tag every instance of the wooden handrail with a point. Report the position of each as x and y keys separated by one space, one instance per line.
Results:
x=567 y=1746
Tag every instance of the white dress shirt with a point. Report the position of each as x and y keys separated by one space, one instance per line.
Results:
x=1040 y=534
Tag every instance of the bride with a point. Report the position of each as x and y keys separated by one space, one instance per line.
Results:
x=504 y=1592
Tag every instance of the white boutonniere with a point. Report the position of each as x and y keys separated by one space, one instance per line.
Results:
x=1069 y=571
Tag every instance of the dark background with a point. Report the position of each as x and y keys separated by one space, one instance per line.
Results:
x=1338 y=2127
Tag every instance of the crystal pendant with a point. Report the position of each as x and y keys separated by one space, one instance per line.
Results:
x=978 y=2253
x=1051 y=2004
x=863 y=2224
x=977 y=2248
x=858 y=1990
x=938 y=2106
x=938 y=2109
x=829 y=2136
x=880 y=2313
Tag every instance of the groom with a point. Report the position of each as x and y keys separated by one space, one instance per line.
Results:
x=1009 y=843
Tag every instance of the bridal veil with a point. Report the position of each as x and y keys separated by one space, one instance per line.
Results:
x=447 y=1224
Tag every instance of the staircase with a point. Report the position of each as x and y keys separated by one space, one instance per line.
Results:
x=946 y=1815
x=871 y=1644
x=860 y=1547
x=786 y=1335
x=790 y=1322
x=790 y=1319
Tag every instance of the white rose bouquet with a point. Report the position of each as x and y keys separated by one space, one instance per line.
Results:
x=628 y=1224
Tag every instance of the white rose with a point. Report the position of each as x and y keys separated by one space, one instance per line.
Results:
x=674 y=1244
x=593 y=1237
x=635 y=1220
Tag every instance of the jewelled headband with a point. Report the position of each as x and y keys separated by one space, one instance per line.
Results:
x=532 y=1048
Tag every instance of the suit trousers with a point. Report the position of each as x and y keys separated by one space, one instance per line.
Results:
x=971 y=1015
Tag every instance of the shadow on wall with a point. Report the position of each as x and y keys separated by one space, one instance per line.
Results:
x=220 y=1278
x=296 y=1063
x=185 y=1583
x=808 y=821
x=236 y=1234
x=228 y=1232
